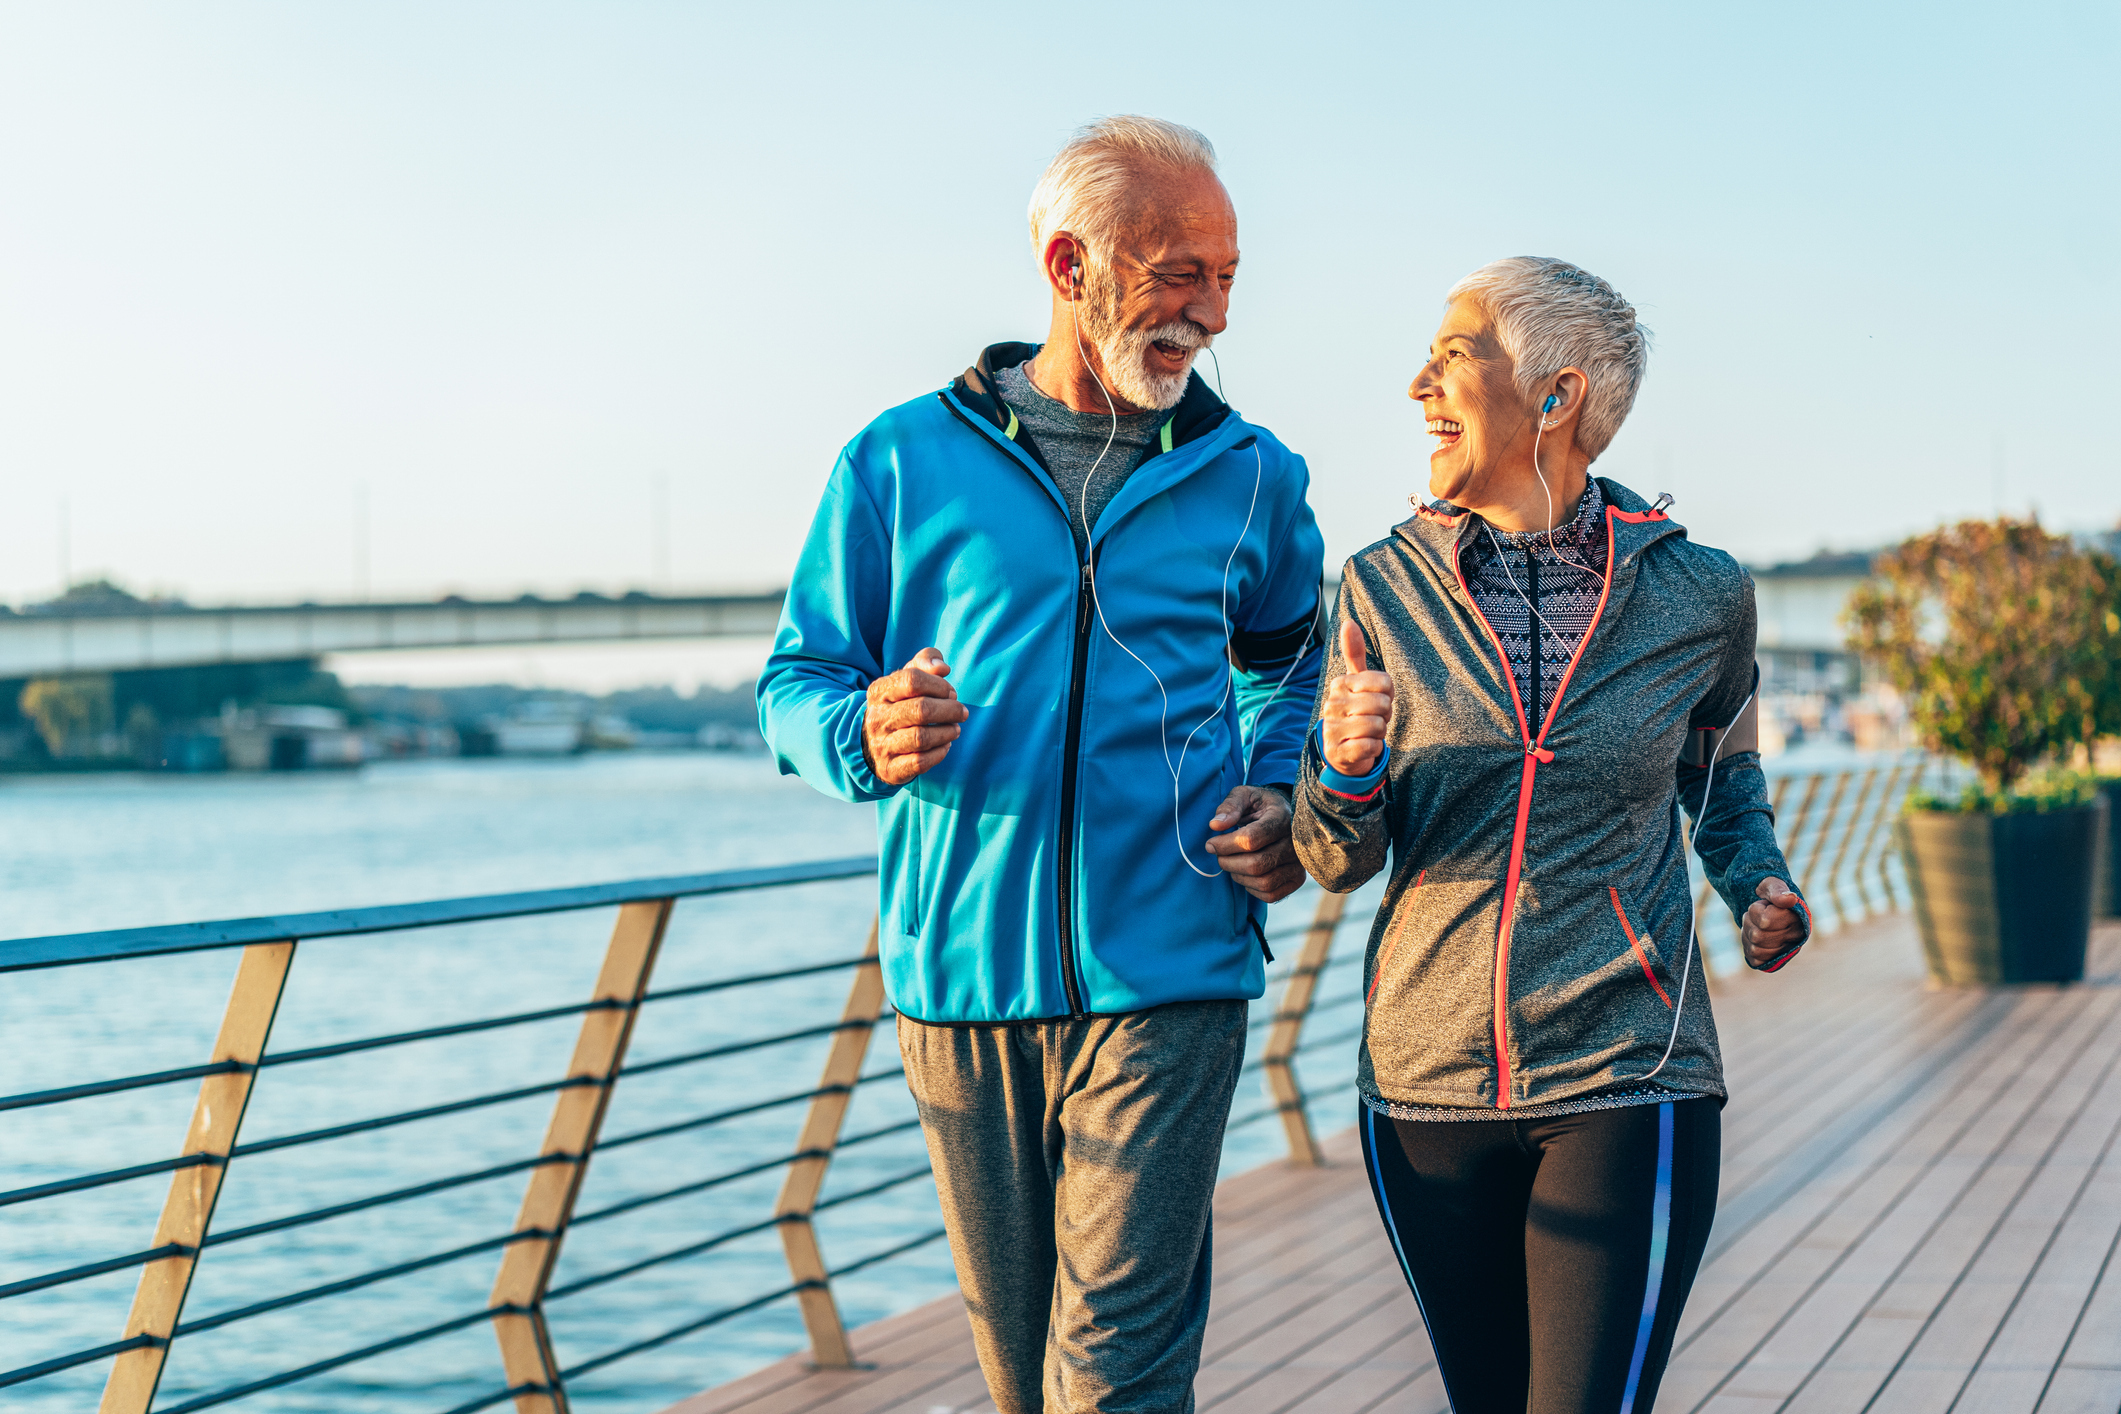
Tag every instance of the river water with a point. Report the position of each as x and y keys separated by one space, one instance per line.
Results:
x=116 y=851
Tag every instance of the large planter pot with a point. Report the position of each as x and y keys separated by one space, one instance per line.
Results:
x=2106 y=899
x=2002 y=898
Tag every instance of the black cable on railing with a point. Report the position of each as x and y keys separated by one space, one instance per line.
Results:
x=694 y=989
x=609 y=1357
x=33 y=1098
x=888 y=1253
x=435 y=1033
x=396 y=1195
x=94 y=1269
x=381 y=1347
x=736 y=1048
x=750 y=1170
x=67 y=1362
x=713 y=1318
x=721 y=1239
x=355 y=1283
x=499 y=1396
x=108 y=1176
x=739 y=1111
x=363 y=1126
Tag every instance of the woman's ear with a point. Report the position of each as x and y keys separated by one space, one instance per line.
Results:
x=1564 y=398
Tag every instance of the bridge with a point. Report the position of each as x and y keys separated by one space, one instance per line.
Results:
x=136 y=634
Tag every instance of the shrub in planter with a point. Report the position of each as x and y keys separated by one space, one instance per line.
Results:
x=1998 y=634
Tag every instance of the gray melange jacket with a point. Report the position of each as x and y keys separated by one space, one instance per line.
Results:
x=1535 y=924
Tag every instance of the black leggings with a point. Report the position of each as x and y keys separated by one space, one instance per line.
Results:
x=1550 y=1257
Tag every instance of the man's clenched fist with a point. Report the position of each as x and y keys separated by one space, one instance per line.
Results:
x=911 y=719
x=1254 y=848
x=1358 y=709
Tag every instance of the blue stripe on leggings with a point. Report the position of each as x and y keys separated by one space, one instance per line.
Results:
x=1384 y=1204
x=1377 y=1180
x=1660 y=1234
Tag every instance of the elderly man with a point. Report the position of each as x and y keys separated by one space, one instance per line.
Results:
x=1060 y=620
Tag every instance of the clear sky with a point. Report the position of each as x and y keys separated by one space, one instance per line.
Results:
x=521 y=278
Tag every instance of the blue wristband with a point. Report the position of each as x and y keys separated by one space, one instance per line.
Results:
x=1356 y=788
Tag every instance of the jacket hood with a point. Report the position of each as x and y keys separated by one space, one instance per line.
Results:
x=1198 y=413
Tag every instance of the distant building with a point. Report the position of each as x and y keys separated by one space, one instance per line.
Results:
x=1803 y=645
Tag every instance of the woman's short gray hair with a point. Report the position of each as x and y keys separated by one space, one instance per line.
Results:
x=1552 y=315
x=1084 y=190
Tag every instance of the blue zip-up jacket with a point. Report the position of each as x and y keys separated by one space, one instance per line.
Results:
x=1047 y=867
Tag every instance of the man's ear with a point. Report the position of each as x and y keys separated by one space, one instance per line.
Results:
x=1064 y=265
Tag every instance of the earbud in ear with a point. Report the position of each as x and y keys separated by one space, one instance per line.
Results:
x=1548 y=406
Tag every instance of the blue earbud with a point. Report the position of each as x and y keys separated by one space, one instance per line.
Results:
x=1548 y=405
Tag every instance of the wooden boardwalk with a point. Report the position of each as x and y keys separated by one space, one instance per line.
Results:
x=1920 y=1204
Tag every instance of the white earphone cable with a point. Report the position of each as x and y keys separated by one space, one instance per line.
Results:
x=1693 y=930
x=1163 y=726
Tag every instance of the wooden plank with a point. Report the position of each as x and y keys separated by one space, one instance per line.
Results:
x=518 y=1296
x=1806 y=1304
x=1312 y=1312
x=2028 y=1347
x=2035 y=1180
x=910 y=1335
x=187 y=1213
x=2083 y=1390
x=1892 y=1286
x=1388 y=1323
x=1815 y=1244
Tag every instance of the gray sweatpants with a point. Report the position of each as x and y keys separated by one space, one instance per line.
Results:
x=1076 y=1162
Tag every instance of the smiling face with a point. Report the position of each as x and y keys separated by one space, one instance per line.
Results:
x=1468 y=392
x=1162 y=295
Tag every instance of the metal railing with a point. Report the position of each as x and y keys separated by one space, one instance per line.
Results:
x=1836 y=831
x=1835 y=828
x=518 y=1309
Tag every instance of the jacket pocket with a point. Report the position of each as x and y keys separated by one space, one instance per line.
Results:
x=1642 y=954
x=911 y=891
x=1384 y=958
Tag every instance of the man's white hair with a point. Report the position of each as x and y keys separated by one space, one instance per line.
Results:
x=1552 y=315
x=1084 y=191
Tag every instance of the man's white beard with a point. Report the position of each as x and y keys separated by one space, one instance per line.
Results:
x=1125 y=352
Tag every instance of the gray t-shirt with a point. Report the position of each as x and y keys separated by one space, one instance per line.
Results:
x=1071 y=443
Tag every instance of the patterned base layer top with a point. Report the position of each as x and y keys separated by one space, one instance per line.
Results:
x=1539 y=592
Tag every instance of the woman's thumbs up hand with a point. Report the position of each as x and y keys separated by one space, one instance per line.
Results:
x=1358 y=709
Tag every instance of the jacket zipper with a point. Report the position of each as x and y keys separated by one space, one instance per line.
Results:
x=1535 y=755
x=1064 y=874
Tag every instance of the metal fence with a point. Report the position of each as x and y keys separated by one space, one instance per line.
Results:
x=1835 y=827
x=524 y=1292
x=1836 y=831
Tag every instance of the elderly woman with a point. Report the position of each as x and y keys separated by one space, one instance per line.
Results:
x=1531 y=679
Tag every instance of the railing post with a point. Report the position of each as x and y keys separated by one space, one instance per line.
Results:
x=1880 y=827
x=1792 y=852
x=1894 y=802
x=158 y=1302
x=1278 y=1059
x=1841 y=854
x=518 y=1300
x=1826 y=821
x=813 y=1156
